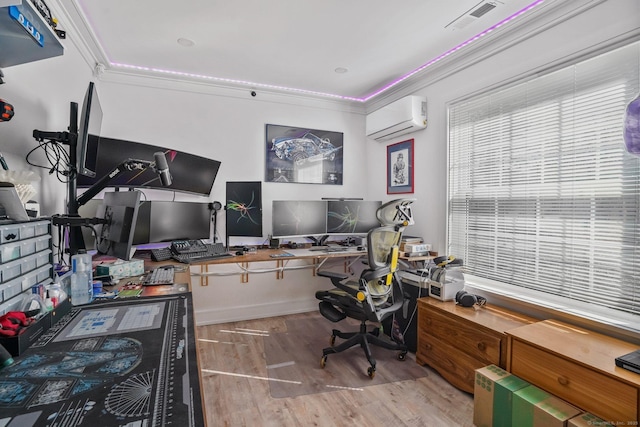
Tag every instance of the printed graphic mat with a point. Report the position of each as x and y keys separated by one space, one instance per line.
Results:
x=116 y=363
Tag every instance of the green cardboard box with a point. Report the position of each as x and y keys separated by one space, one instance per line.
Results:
x=534 y=407
x=493 y=395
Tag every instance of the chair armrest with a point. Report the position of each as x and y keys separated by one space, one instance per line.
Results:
x=334 y=276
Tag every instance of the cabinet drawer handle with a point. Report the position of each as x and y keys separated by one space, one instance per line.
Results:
x=563 y=380
x=482 y=346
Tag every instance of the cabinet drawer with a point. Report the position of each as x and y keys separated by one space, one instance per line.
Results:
x=457 y=367
x=590 y=390
x=463 y=335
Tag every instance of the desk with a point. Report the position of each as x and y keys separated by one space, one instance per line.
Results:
x=316 y=260
x=111 y=363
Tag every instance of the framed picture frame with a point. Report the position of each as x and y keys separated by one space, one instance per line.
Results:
x=400 y=167
x=303 y=155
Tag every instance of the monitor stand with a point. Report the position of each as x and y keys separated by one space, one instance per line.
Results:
x=318 y=241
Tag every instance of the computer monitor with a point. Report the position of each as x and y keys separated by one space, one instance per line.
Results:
x=89 y=133
x=190 y=173
x=352 y=216
x=120 y=210
x=166 y=221
x=299 y=218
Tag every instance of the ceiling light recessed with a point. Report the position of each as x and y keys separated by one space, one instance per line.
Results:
x=185 y=42
x=341 y=70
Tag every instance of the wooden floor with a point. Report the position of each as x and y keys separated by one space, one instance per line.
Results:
x=236 y=389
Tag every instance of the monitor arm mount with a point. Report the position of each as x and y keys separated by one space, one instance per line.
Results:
x=74 y=221
x=125 y=166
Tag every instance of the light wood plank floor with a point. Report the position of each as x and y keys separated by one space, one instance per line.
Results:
x=236 y=390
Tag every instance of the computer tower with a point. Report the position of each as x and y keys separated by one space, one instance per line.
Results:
x=403 y=324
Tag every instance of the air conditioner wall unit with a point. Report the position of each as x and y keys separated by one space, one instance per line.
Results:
x=406 y=115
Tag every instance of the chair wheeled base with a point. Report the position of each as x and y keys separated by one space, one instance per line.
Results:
x=363 y=338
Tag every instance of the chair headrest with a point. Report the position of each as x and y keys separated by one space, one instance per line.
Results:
x=396 y=212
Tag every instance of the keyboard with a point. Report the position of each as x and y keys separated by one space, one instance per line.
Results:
x=160 y=276
x=213 y=251
x=161 y=254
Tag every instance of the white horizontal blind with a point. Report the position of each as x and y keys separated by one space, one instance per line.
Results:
x=542 y=193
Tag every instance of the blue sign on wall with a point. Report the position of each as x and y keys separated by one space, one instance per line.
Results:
x=15 y=13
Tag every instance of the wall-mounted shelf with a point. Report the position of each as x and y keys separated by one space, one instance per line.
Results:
x=25 y=36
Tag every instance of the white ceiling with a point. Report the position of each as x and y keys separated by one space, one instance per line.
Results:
x=294 y=44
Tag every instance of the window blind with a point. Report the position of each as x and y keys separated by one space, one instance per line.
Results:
x=542 y=193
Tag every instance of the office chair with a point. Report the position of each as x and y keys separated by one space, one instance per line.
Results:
x=376 y=294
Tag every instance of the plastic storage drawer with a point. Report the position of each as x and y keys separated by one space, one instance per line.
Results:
x=10 y=252
x=9 y=233
x=42 y=243
x=28 y=263
x=12 y=288
x=10 y=270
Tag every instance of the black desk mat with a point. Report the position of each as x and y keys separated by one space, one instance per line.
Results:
x=122 y=362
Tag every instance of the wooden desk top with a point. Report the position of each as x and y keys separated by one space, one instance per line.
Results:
x=489 y=316
x=262 y=255
x=581 y=345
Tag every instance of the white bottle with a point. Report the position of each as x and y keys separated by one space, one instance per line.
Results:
x=81 y=279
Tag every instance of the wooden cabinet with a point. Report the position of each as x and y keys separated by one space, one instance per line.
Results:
x=578 y=366
x=455 y=340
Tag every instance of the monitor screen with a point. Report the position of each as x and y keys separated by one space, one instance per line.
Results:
x=351 y=216
x=120 y=209
x=165 y=221
x=244 y=208
x=190 y=173
x=89 y=133
x=295 y=218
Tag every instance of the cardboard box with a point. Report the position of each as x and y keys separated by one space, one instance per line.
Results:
x=534 y=407
x=493 y=396
x=121 y=269
x=587 y=420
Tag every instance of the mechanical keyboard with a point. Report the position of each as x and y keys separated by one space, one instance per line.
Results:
x=160 y=276
x=161 y=254
x=213 y=251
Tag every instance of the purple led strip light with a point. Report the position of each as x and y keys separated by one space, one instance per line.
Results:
x=330 y=95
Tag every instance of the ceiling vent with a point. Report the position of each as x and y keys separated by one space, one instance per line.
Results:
x=472 y=15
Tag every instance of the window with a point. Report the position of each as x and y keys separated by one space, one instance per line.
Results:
x=542 y=193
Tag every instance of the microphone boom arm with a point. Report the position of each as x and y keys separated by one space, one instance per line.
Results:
x=102 y=183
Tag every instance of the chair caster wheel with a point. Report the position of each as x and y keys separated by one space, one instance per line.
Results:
x=402 y=355
x=332 y=340
x=371 y=372
x=323 y=362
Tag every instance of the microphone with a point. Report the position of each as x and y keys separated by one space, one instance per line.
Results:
x=162 y=168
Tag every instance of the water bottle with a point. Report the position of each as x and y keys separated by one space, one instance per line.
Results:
x=81 y=279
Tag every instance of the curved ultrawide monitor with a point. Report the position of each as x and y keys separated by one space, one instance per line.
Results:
x=190 y=173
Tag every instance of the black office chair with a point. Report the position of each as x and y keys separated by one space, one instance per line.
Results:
x=377 y=293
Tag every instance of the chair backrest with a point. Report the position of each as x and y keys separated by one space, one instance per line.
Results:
x=382 y=243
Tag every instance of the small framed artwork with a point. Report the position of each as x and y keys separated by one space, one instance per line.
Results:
x=400 y=167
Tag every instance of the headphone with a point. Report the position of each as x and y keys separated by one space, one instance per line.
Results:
x=466 y=299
